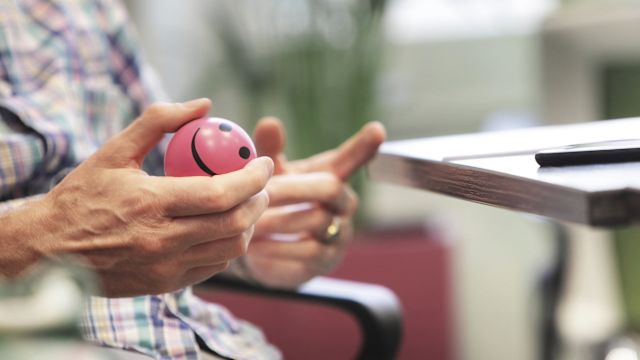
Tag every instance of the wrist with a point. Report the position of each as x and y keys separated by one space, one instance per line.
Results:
x=22 y=232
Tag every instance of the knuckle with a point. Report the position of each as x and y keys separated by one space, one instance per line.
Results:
x=263 y=200
x=239 y=247
x=161 y=276
x=154 y=110
x=325 y=218
x=133 y=203
x=144 y=204
x=260 y=175
x=217 y=197
x=319 y=217
x=136 y=206
x=151 y=247
x=222 y=267
x=334 y=186
x=237 y=221
x=255 y=184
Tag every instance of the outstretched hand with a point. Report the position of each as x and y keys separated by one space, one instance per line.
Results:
x=342 y=161
x=308 y=197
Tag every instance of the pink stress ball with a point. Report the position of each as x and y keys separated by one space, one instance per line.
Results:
x=207 y=147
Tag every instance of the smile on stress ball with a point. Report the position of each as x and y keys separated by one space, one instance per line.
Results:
x=208 y=146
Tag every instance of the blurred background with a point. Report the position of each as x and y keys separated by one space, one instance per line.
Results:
x=470 y=277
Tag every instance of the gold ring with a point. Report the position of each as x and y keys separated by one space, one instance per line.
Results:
x=333 y=231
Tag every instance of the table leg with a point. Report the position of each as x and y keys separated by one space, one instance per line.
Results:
x=551 y=286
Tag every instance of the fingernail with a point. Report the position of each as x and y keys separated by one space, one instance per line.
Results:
x=194 y=103
x=268 y=161
x=376 y=130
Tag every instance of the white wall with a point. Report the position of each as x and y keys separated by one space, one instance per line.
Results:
x=455 y=87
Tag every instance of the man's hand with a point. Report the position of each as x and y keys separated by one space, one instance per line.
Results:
x=342 y=161
x=307 y=196
x=146 y=234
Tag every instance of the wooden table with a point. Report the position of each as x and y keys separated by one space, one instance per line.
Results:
x=498 y=168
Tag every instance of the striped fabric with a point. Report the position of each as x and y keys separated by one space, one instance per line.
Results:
x=70 y=77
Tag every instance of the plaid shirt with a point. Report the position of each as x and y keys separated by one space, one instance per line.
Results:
x=70 y=77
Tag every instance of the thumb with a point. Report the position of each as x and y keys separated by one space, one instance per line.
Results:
x=129 y=147
x=269 y=137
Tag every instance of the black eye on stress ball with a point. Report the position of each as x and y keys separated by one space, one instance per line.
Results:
x=225 y=127
x=244 y=152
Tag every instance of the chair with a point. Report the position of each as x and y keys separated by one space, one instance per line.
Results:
x=375 y=308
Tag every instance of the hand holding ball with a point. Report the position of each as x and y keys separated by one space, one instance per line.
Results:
x=208 y=147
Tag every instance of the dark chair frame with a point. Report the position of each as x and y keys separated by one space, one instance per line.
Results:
x=375 y=308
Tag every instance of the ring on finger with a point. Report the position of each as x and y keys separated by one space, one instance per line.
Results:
x=332 y=233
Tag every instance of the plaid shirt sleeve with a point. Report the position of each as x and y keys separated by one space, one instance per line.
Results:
x=140 y=80
x=21 y=152
x=61 y=104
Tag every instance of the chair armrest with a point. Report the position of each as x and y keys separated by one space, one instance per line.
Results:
x=376 y=308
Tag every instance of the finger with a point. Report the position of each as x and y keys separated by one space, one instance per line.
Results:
x=201 y=273
x=192 y=230
x=129 y=147
x=345 y=204
x=269 y=137
x=348 y=157
x=306 y=249
x=292 y=267
x=280 y=273
x=217 y=251
x=197 y=195
x=293 y=219
x=358 y=150
x=311 y=187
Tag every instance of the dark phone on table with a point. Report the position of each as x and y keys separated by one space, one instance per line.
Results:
x=591 y=153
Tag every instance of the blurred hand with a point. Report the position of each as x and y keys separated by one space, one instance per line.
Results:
x=145 y=234
x=307 y=197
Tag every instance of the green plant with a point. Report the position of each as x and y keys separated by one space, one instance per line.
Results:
x=312 y=63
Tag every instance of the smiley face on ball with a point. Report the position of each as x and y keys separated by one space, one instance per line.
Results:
x=208 y=147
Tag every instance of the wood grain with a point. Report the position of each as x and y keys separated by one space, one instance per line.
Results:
x=499 y=169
